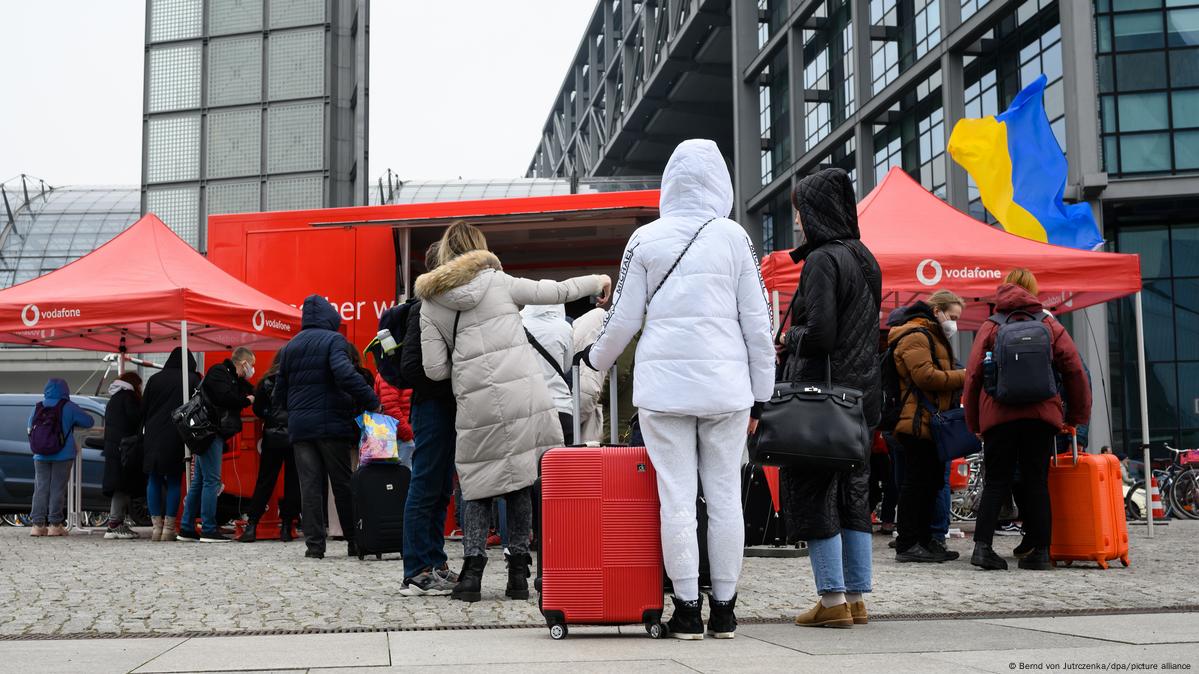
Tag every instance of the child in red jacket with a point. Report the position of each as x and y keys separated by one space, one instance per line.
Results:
x=396 y=403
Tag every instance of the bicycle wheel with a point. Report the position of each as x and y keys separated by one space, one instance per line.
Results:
x=1184 y=494
x=1134 y=502
x=963 y=505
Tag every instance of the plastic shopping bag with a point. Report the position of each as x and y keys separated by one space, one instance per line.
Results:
x=378 y=442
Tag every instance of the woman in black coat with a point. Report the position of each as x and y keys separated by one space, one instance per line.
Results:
x=163 y=447
x=834 y=324
x=123 y=477
x=276 y=453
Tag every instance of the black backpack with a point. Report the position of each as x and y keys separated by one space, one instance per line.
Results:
x=394 y=320
x=893 y=397
x=1023 y=360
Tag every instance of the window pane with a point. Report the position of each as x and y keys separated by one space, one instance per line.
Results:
x=1141 y=71
x=1106 y=79
x=1125 y=5
x=1110 y=155
x=1103 y=33
x=1186 y=108
x=1186 y=312
x=1188 y=396
x=1138 y=31
x=1158 y=297
x=1153 y=245
x=1182 y=27
x=1163 y=399
x=1107 y=106
x=1145 y=153
x=1184 y=68
x=1143 y=112
x=1186 y=150
x=1186 y=250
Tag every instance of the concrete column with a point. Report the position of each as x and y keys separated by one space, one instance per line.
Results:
x=953 y=104
x=1082 y=100
x=863 y=131
x=1091 y=337
x=747 y=178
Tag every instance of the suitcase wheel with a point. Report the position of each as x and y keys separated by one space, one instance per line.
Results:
x=558 y=632
x=1124 y=560
x=1102 y=564
x=655 y=630
x=379 y=556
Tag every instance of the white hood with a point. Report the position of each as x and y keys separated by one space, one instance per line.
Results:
x=696 y=180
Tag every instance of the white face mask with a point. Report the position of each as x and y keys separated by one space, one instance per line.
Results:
x=948 y=326
x=249 y=371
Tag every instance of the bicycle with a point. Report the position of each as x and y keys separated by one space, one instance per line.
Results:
x=963 y=503
x=1184 y=487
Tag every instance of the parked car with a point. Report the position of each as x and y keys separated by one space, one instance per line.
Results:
x=16 y=459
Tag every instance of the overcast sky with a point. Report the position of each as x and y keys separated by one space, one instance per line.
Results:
x=457 y=87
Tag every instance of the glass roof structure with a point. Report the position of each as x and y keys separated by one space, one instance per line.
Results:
x=43 y=228
x=389 y=189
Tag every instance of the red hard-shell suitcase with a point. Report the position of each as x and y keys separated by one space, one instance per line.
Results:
x=600 y=561
x=1087 y=499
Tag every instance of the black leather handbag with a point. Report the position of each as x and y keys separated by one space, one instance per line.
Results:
x=814 y=425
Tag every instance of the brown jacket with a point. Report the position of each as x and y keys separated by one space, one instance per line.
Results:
x=933 y=375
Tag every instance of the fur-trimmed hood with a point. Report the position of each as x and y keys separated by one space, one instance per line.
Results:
x=460 y=283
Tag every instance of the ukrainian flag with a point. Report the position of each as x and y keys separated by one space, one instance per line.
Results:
x=1021 y=172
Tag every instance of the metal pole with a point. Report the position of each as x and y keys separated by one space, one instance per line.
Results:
x=613 y=407
x=774 y=303
x=1142 y=381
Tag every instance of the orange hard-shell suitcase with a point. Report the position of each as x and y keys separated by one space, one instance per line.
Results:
x=600 y=561
x=1087 y=499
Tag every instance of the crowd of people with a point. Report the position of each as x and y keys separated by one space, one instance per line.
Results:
x=487 y=358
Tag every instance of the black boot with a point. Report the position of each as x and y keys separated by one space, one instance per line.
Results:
x=985 y=558
x=518 y=576
x=285 y=534
x=249 y=534
x=722 y=623
x=918 y=553
x=687 y=621
x=470 y=581
x=1024 y=549
x=1037 y=560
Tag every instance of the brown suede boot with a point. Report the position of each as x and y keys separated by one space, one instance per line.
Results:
x=858 y=611
x=169 y=529
x=156 y=533
x=822 y=616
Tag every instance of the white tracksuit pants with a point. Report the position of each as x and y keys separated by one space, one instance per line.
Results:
x=680 y=447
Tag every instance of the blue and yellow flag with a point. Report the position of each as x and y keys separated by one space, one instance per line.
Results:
x=1021 y=172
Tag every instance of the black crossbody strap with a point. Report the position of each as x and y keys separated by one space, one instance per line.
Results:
x=546 y=355
x=677 y=261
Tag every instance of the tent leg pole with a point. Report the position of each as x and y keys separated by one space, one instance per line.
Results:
x=187 y=452
x=1142 y=382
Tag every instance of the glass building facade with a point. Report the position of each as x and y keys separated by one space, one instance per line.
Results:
x=253 y=105
x=43 y=228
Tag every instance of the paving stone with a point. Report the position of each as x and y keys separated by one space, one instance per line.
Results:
x=268 y=586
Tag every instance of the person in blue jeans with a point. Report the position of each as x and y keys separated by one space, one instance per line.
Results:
x=52 y=471
x=426 y=572
x=228 y=391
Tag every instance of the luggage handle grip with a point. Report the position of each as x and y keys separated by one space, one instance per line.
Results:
x=1074 y=439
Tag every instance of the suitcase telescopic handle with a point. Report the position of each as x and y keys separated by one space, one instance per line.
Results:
x=1074 y=442
x=577 y=404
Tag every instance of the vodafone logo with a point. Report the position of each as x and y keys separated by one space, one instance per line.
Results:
x=259 y=320
x=30 y=315
x=922 y=272
x=930 y=272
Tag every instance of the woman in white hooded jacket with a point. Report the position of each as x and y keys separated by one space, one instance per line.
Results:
x=471 y=334
x=690 y=282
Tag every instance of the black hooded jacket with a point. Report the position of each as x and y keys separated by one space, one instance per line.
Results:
x=412 y=367
x=317 y=383
x=163 y=394
x=834 y=318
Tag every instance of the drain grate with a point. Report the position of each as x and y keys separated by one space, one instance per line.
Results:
x=890 y=617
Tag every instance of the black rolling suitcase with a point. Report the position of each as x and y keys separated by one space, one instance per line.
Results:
x=380 y=490
x=763 y=524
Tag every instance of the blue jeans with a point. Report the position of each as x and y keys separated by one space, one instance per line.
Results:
x=431 y=486
x=160 y=487
x=842 y=563
x=204 y=488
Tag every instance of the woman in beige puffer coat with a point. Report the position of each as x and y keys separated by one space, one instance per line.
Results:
x=471 y=333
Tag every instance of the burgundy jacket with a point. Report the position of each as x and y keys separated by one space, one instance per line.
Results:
x=396 y=403
x=983 y=413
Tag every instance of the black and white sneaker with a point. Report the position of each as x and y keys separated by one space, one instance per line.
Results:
x=187 y=535
x=426 y=584
x=215 y=537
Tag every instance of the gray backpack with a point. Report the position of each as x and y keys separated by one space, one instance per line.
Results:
x=1023 y=357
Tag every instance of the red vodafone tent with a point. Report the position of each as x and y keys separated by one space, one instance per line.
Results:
x=144 y=289
x=923 y=244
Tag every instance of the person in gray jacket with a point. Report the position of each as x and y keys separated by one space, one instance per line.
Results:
x=471 y=333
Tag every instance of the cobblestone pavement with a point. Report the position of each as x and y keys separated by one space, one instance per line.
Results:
x=86 y=585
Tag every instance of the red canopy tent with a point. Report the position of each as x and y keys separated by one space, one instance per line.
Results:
x=923 y=244
x=148 y=290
